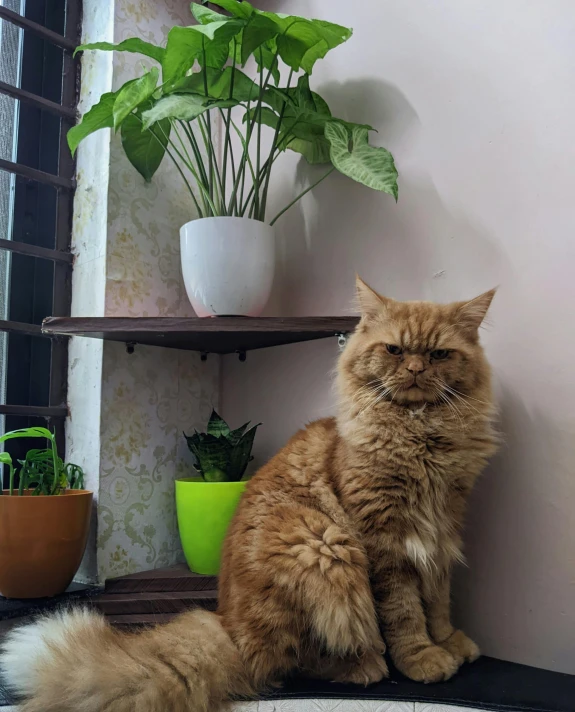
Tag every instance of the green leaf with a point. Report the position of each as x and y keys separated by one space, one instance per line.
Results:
x=217 y=425
x=134 y=93
x=276 y=97
x=238 y=9
x=268 y=57
x=100 y=116
x=314 y=149
x=145 y=148
x=303 y=123
x=219 y=84
x=187 y=44
x=204 y=15
x=301 y=42
x=354 y=157
x=185 y=107
x=5 y=458
x=215 y=475
x=235 y=435
x=74 y=476
x=331 y=36
x=240 y=455
x=35 y=432
x=260 y=29
x=263 y=116
x=134 y=44
x=212 y=453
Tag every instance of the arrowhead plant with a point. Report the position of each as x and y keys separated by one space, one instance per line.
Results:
x=200 y=79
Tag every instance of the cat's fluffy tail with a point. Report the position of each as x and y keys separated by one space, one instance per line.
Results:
x=76 y=662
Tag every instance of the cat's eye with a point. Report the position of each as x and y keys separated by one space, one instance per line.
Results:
x=439 y=354
x=393 y=349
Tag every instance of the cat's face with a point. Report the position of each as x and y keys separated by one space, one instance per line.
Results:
x=414 y=352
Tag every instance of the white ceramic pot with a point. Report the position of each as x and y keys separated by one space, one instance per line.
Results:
x=228 y=265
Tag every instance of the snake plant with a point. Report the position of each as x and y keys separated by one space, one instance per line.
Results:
x=221 y=454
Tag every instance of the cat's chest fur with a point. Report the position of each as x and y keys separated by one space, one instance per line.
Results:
x=417 y=470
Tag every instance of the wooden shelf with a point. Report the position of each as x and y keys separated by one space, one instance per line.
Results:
x=152 y=597
x=219 y=335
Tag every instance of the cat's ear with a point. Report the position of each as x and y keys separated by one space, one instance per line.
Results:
x=471 y=314
x=371 y=304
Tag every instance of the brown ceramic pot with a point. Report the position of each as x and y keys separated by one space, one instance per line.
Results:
x=42 y=541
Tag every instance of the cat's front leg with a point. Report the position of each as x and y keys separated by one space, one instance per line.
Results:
x=397 y=593
x=437 y=600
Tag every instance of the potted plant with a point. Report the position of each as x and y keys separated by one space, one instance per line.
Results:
x=206 y=504
x=44 y=520
x=228 y=254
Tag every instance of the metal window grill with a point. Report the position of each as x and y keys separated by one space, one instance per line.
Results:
x=38 y=92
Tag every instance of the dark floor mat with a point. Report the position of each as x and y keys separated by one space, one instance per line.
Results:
x=487 y=684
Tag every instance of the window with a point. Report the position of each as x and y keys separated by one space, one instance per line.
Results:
x=38 y=81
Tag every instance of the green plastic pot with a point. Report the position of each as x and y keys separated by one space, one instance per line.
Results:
x=205 y=510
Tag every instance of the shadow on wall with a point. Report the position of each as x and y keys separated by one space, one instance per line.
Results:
x=520 y=538
x=419 y=248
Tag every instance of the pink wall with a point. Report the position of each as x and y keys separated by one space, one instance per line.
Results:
x=476 y=101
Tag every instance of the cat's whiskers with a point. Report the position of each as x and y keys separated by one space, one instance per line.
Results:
x=362 y=392
x=460 y=397
x=477 y=400
x=376 y=396
x=441 y=394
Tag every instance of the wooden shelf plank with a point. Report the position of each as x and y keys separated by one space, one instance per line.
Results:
x=172 y=579
x=221 y=335
x=155 y=596
x=141 y=620
x=114 y=604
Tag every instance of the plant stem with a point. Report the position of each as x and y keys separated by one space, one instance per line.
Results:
x=199 y=161
x=195 y=150
x=273 y=148
x=243 y=163
x=294 y=201
x=11 y=483
x=206 y=134
x=250 y=124
x=165 y=147
x=192 y=171
x=227 y=141
x=206 y=92
x=263 y=170
x=56 y=480
x=258 y=118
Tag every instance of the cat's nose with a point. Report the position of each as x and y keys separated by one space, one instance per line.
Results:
x=415 y=365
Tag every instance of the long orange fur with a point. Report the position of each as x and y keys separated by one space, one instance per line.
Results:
x=342 y=545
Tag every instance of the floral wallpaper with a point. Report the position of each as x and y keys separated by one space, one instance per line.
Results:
x=148 y=399
x=151 y=396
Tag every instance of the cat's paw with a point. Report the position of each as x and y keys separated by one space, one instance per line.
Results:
x=369 y=668
x=461 y=647
x=432 y=664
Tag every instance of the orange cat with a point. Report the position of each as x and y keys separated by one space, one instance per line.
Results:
x=344 y=540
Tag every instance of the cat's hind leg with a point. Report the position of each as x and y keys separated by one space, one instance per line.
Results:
x=365 y=669
x=323 y=571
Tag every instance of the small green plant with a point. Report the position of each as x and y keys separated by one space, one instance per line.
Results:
x=42 y=471
x=221 y=454
x=175 y=112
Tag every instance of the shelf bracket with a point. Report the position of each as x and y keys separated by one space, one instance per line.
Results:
x=130 y=347
x=204 y=356
x=342 y=340
x=241 y=355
